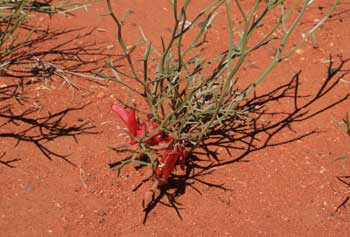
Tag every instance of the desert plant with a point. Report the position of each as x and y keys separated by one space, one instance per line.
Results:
x=189 y=96
x=345 y=126
x=14 y=16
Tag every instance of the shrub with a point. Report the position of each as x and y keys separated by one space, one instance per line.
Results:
x=189 y=96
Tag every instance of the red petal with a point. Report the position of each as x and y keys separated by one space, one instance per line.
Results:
x=128 y=116
x=122 y=113
x=167 y=164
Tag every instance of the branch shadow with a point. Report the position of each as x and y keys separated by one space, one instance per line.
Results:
x=45 y=7
x=247 y=133
x=45 y=55
x=28 y=127
x=8 y=162
x=59 y=53
x=345 y=180
x=176 y=187
x=247 y=136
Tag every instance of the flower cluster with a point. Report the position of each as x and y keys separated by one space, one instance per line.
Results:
x=170 y=155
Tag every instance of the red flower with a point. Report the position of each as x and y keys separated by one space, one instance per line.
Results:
x=139 y=130
x=171 y=155
x=168 y=161
x=129 y=118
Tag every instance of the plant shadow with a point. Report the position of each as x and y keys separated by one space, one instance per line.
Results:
x=46 y=55
x=345 y=180
x=245 y=137
x=28 y=127
x=56 y=53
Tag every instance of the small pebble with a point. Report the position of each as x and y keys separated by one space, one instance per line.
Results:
x=101 y=95
x=322 y=170
x=28 y=188
x=299 y=51
x=101 y=30
x=101 y=212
